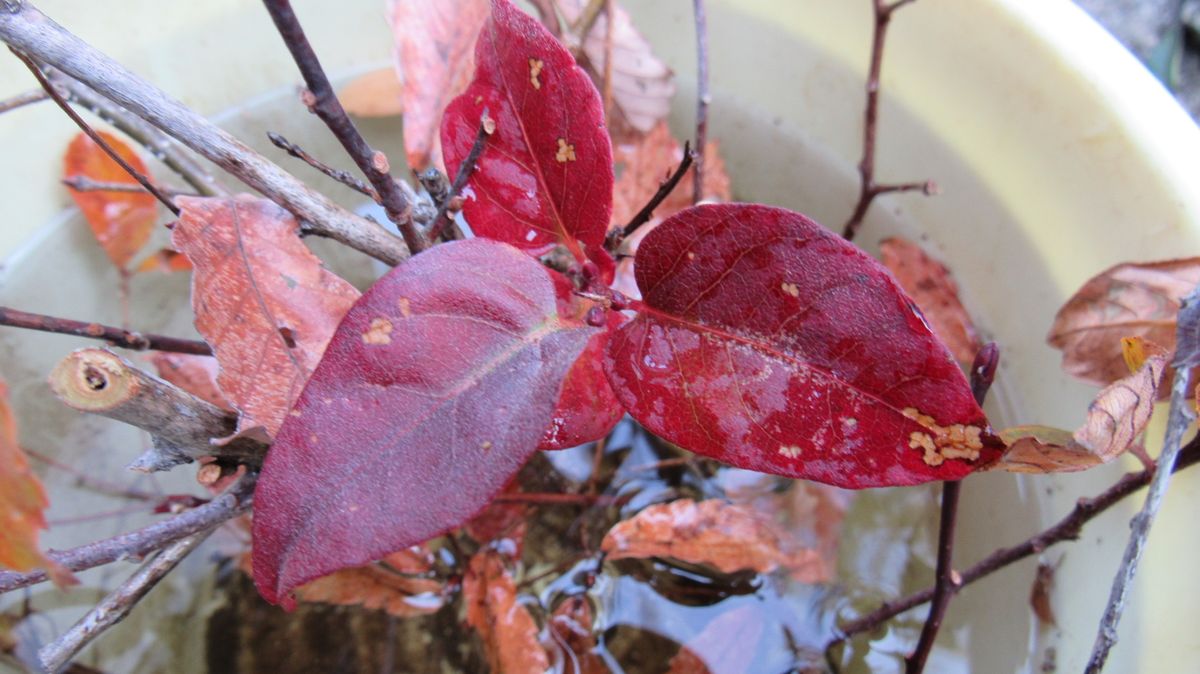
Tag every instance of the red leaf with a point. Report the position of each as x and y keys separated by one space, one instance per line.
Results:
x=121 y=221
x=545 y=175
x=263 y=301
x=768 y=343
x=510 y=636
x=432 y=394
x=435 y=42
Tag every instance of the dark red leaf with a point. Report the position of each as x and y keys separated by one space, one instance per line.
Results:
x=768 y=343
x=431 y=395
x=545 y=176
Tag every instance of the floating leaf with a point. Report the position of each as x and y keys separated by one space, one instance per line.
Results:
x=932 y=287
x=385 y=585
x=572 y=626
x=545 y=175
x=195 y=374
x=808 y=516
x=642 y=84
x=1128 y=300
x=500 y=520
x=375 y=94
x=435 y=56
x=430 y=397
x=263 y=301
x=166 y=261
x=121 y=221
x=722 y=535
x=727 y=644
x=509 y=634
x=770 y=344
x=22 y=503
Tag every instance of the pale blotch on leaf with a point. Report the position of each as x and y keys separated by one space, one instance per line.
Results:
x=956 y=441
x=790 y=451
x=405 y=307
x=790 y=288
x=485 y=445
x=379 y=333
x=535 y=70
x=566 y=151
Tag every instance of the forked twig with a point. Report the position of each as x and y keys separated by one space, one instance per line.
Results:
x=343 y=177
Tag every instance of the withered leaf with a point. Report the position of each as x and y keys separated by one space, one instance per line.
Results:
x=374 y=94
x=934 y=290
x=722 y=535
x=195 y=374
x=1140 y=300
x=571 y=627
x=642 y=84
x=1039 y=595
x=1137 y=349
x=383 y=585
x=264 y=302
x=435 y=59
x=1042 y=449
x=808 y=515
x=166 y=261
x=121 y=221
x=643 y=163
x=508 y=631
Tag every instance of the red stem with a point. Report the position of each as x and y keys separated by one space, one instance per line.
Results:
x=126 y=339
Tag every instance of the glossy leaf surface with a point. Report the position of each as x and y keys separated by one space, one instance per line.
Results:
x=768 y=343
x=432 y=394
x=121 y=221
x=508 y=631
x=265 y=304
x=545 y=176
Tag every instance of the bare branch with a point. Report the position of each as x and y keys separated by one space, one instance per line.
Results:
x=86 y=184
x=343 y=177
x=96 y=137
x=21 y=100
x=235 y=501
x=326 y=105
x=445 y=217
x=24 y=27
x=125 y=339
x=183 y=426
x=113 y=608
x=703 y=98
x=664 y=190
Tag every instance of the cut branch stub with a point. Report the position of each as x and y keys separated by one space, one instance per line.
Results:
x=182 y=425
x=768 y=343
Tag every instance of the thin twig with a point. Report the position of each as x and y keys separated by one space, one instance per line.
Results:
x=983 y=373
x=86 y=184
x=21 y=100
x=160 y=145
x=607 y=78
x=1179 y=420
x=1068 y=528
x=343 y=177
x=559 y=499
x=86 y=481
x=235 y=501
x=664 y=190
x=24 y=27
x=125 y=339
x=703 y=98
x=325 y=104
x=96 y=137
x=113 y=608
x=868 y=188
x=444 y=218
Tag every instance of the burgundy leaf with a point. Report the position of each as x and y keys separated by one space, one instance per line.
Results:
x=545 y=176
x=433 y=392
x=770 y=344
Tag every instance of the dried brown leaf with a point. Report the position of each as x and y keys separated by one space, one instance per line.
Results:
x=932 y=287
x=723 y=535
x=808 y=515
x=374 y=94
x=642 y=84
x=121 y=221
x=382 y=585
x=644 y=162
x=1042 y=449
x=435 y=60
x=1039 y=595
x=571 y=627
x=195 y=374
x=264 y=302
x=1138 y=300
x=508 y=631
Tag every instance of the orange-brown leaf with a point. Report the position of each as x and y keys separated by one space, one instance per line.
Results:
x=263 y=301
x=435 y=60
x=643 y=163
x=642 y=84
x=932 y=287
x=121 y=221
x=508 y=631
x=166 y=261
x=374 y=94
x=195 y=374
x=1042 y=449
x=1128 y=300
x=725 y=536
x=22 y=499
x=572 y=628
x=382 y=585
